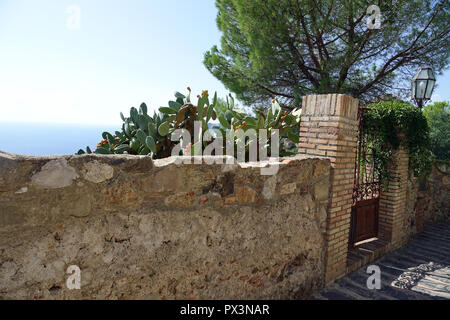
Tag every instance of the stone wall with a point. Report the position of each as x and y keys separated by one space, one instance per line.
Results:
x=436 y=193
x=427 y=201
x=139 y=228
x=413 y=219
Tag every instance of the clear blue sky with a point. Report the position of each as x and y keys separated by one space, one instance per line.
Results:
x=124 y=53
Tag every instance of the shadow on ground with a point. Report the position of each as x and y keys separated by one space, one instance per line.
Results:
x=419 y=271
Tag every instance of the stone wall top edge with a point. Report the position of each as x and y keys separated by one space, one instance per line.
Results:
x=159 y=163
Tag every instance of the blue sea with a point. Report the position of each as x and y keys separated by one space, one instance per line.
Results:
x=50 y=139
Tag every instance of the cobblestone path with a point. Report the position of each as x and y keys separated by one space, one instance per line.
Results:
x=418 y=271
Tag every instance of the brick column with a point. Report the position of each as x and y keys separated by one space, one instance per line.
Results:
x=393 y=200
x=329 y=128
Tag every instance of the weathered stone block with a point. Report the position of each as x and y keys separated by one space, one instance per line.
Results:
x=180 y=200
x=321 y=190
x=269 y=187
x=288 y=188
x=97 y=172
x=245 y=195
x=55 y=174
x=165 y=180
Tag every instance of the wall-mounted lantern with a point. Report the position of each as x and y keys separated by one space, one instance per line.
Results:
x=422 y=86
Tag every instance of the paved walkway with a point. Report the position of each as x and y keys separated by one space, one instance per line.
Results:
x=419 y=271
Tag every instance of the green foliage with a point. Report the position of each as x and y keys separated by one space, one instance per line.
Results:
x=438 y=116
x=142 y=134
x=391 y=124
x=145 y=135
x=275 y=118
x=288 y=49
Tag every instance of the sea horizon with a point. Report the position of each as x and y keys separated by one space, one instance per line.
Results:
x=48 y=139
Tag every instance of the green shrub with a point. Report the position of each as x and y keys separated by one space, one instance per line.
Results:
x=391 y=124
x=438 y=116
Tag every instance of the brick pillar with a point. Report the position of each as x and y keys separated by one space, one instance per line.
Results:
x=393 y=200
x=329 y=128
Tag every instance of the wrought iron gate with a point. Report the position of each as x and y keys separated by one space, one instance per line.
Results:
x=366 y=190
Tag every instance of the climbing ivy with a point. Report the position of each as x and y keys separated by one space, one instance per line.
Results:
x=391 y=124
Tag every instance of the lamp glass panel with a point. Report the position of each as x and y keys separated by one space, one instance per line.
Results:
x=423 y=74
x=431 y=74
x=421 y=85
x=429 y=89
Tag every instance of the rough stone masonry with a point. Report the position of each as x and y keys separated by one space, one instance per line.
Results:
x=139 y=228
